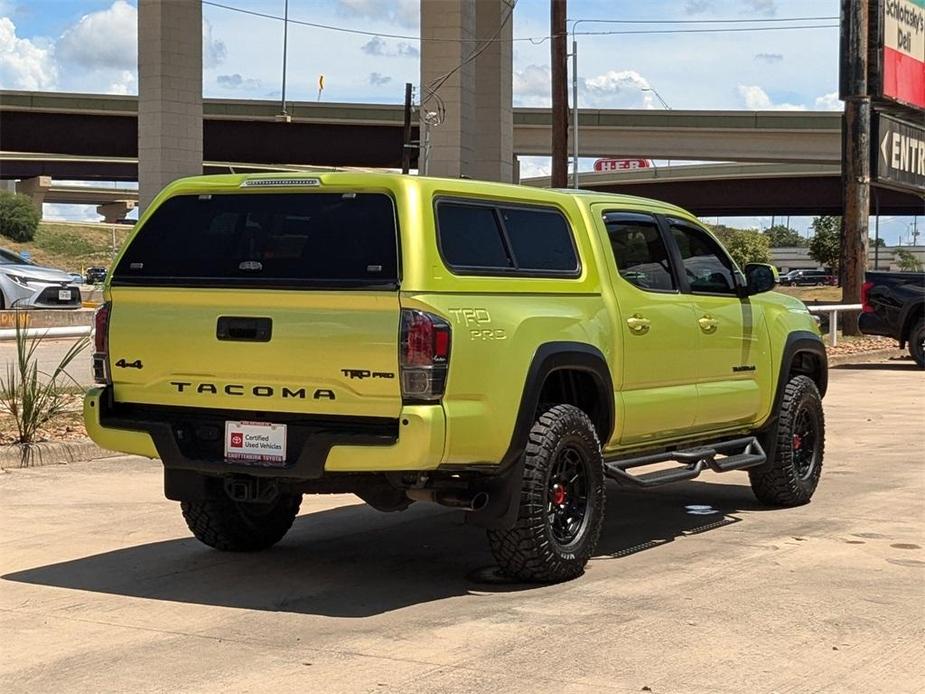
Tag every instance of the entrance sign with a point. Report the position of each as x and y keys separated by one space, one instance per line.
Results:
x=898 y=153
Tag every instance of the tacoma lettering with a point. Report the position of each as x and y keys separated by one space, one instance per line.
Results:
x=237 y=389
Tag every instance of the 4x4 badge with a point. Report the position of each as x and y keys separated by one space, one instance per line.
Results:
x=122 y=364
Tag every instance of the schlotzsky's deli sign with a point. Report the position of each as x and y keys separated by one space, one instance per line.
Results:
x=900 y=75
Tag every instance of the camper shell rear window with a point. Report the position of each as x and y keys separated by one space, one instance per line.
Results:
x=273 y=240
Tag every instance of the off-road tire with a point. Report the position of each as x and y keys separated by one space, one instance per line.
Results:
x=529 y=551
x=781 y=481
x=232 y=526
x=917 y=343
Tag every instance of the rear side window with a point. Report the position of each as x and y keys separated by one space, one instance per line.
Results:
x=489 y=239
x=639 y=251
x=470 y=237
x=273 y=240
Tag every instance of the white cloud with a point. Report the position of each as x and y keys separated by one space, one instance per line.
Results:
x=58 y=212
x=829 y=102
x=377 y=79
x=756 y=99
x=769 y=58
x=104 y=39
x=612 y=89
x=532 y=86
x=236 y=81
x=618 y=88
x=534 y=167
x=766 y=7
x=403 y=12
x=23 y=63
x=125 y=84
x=378 y=46
x=213 y=50
x=108 y=40
x=698 y=6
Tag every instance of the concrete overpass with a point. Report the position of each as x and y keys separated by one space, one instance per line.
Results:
x=113 y=203
x=733 y=189
x=102 y=126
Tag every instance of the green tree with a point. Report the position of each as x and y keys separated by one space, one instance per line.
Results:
x=878 y=243
x=18 y=218
x=825 y=245
x=780 y=236
x=907 y=261
x=744 y=245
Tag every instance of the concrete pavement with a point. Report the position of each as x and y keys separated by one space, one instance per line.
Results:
x=49 y=354
x=696 y=587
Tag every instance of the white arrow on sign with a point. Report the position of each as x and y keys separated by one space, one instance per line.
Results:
x=883 y=148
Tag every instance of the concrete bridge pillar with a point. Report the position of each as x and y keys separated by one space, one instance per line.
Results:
x=36 y=188
x=476 y=136
x=169 y=94
x=114 y=212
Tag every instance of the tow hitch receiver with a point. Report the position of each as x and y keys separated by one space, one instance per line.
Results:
x=736 y=454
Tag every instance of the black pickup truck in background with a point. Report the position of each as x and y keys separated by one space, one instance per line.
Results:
x=894 y=306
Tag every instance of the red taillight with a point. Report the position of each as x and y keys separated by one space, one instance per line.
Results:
x=865 y=297
x=101 y=345
x=424 y=355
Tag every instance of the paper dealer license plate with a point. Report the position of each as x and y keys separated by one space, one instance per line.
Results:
x=64 y=295
x=261 y=443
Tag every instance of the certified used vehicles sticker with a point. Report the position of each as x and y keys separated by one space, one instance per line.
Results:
x=262 y=443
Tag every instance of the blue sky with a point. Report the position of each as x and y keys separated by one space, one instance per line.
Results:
x=89 y=46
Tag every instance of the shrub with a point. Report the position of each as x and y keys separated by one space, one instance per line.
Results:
x=18 y=218
x=30 y=396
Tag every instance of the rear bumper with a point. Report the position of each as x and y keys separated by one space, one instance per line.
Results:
x=185 y=439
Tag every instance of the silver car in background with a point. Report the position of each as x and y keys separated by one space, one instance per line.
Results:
x=24 y=284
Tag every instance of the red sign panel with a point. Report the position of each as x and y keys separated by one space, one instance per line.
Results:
x=621 y=164
x=903 y=67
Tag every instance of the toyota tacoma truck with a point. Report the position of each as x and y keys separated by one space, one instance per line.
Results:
x=488 y=347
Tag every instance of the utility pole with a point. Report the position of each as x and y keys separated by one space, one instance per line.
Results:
x=406 y=133
x=855 y=153
x=558 y=49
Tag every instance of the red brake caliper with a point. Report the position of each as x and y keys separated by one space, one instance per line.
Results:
x=558 y=494
x=797 y=442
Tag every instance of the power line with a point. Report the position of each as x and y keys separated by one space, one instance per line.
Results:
x=536 y=40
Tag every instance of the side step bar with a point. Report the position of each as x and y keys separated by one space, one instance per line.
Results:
x=736 y=454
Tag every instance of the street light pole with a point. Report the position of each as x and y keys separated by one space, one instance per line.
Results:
x=658 y=96
x=285 y=52
x=574 y=110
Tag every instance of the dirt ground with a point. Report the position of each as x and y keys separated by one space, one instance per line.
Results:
x=695 y=587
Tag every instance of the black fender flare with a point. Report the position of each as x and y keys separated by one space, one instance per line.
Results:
x=800 y=341
x=505 y=486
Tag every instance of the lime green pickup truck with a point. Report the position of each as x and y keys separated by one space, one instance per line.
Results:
x=494 y=348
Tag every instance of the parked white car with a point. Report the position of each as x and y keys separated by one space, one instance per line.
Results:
x=23 y=284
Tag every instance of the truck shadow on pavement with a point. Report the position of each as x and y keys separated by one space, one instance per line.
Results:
x=355 y=562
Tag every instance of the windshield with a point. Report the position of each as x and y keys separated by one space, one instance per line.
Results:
x=266 y=239
x=11 y=258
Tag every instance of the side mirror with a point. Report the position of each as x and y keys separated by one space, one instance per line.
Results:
x=760 y=278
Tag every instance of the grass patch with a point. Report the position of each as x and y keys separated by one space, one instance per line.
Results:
x=72 y=246
x=823 y=295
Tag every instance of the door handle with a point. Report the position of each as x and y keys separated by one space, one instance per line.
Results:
x=708 y=324
x=638 y=324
